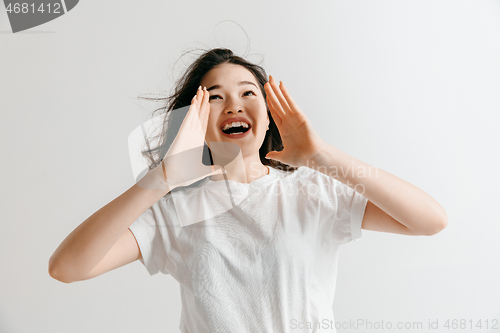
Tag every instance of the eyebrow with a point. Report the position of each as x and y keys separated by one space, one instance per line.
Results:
x=217 y=86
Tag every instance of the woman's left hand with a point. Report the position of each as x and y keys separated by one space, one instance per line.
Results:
x=300 y=140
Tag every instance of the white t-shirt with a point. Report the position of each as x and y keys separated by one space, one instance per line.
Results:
x=267 y=265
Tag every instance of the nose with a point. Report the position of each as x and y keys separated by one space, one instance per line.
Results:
x=232 y=106
x=230 y=111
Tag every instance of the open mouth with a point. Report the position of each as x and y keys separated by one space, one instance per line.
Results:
x=236 y=128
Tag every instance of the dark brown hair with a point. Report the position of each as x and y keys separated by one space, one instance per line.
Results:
x=185 y=89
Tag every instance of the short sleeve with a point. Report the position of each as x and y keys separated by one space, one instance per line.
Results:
x=349 y=209
x=149 y=231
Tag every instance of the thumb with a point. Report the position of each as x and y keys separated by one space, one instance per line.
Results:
x=274 y=155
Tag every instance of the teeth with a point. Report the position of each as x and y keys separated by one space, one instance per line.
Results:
x=235 y=124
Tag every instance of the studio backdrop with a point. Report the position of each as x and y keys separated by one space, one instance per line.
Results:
x=410 y=87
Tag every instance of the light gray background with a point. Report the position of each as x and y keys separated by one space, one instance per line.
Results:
x=411 y=87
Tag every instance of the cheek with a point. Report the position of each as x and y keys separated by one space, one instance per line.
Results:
x=210 y=132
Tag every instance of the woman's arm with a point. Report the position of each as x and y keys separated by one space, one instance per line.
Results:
x=392 y=200
x=84 y=253
x=88 y=244
x=394 y=205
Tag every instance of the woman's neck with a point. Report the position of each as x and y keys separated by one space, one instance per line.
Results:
x=243 y=169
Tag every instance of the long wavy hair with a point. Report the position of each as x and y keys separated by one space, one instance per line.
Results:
x=186 y=87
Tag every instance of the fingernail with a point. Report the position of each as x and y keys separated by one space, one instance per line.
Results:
x=199 y=88
x=281 y=82
x=205 y=88
x=270 y=77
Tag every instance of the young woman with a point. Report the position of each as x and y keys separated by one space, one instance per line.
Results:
x=267 y=264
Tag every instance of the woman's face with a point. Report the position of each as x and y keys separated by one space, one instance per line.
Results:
x=236 y=106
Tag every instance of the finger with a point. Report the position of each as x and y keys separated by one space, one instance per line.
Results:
x=205 y=110
x=193 y=112
x=279 y=95
x=199 y=97
x=274 y=101
x=294 y=106
x=275 y=116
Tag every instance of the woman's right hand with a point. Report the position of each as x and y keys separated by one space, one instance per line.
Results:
x=182 y=164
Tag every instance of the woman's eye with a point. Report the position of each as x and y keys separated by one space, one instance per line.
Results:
x=213 y=96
